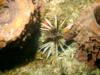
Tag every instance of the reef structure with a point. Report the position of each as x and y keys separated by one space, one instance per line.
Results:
x=14 y=15
x=86 y=32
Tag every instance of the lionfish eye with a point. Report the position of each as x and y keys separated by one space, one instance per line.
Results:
x=97 y=14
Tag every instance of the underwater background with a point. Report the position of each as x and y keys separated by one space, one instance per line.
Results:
x=43 y=50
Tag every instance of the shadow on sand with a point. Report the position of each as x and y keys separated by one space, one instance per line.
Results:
x=22 y=51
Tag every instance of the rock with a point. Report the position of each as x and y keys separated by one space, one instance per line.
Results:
x=14 y=15
x=86 y=33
